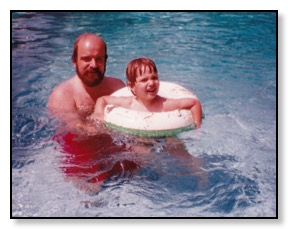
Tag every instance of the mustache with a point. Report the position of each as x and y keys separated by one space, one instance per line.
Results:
x=95 y=70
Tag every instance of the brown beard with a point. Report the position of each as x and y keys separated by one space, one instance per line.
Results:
x=91 y=83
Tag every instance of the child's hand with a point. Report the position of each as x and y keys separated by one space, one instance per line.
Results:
x=97 y=117
x=197 y=125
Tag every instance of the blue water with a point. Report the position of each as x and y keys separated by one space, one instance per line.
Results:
x=227 y=58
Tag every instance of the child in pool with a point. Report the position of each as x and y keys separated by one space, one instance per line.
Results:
x=143 y=81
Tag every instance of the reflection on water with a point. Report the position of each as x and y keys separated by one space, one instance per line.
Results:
x=227 y=168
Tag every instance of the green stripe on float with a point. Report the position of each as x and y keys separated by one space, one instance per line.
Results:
x=149 y=133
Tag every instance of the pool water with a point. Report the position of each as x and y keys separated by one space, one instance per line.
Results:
x=227 y=168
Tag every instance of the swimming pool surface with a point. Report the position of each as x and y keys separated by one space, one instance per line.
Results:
x=228 y=59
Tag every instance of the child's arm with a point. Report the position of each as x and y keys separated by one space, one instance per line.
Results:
x=195 y=107
x=105 y=100
x=196 y=111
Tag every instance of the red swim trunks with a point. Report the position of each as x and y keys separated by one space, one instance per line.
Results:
x=93 y=158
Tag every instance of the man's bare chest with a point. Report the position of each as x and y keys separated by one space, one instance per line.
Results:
x=85 y=106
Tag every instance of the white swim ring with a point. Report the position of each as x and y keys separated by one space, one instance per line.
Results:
x=151 y=124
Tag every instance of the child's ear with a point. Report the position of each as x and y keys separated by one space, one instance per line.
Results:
x=131 y=87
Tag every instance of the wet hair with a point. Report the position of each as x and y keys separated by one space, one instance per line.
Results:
x=75 y=49
x=137 y=67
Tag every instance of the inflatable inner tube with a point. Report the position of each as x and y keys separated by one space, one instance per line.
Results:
x=151 y=124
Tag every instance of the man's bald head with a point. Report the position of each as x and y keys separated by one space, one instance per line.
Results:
x=92 y=38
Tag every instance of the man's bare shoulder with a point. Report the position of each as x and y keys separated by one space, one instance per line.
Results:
x=114 y=83
x=63 y=88
x=62 y=92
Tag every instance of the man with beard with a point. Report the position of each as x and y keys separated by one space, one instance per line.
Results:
x=73 y=101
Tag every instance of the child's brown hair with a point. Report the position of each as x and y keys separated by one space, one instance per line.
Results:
x=137 y=67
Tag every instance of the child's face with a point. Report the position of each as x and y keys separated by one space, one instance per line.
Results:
x=146 y=85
